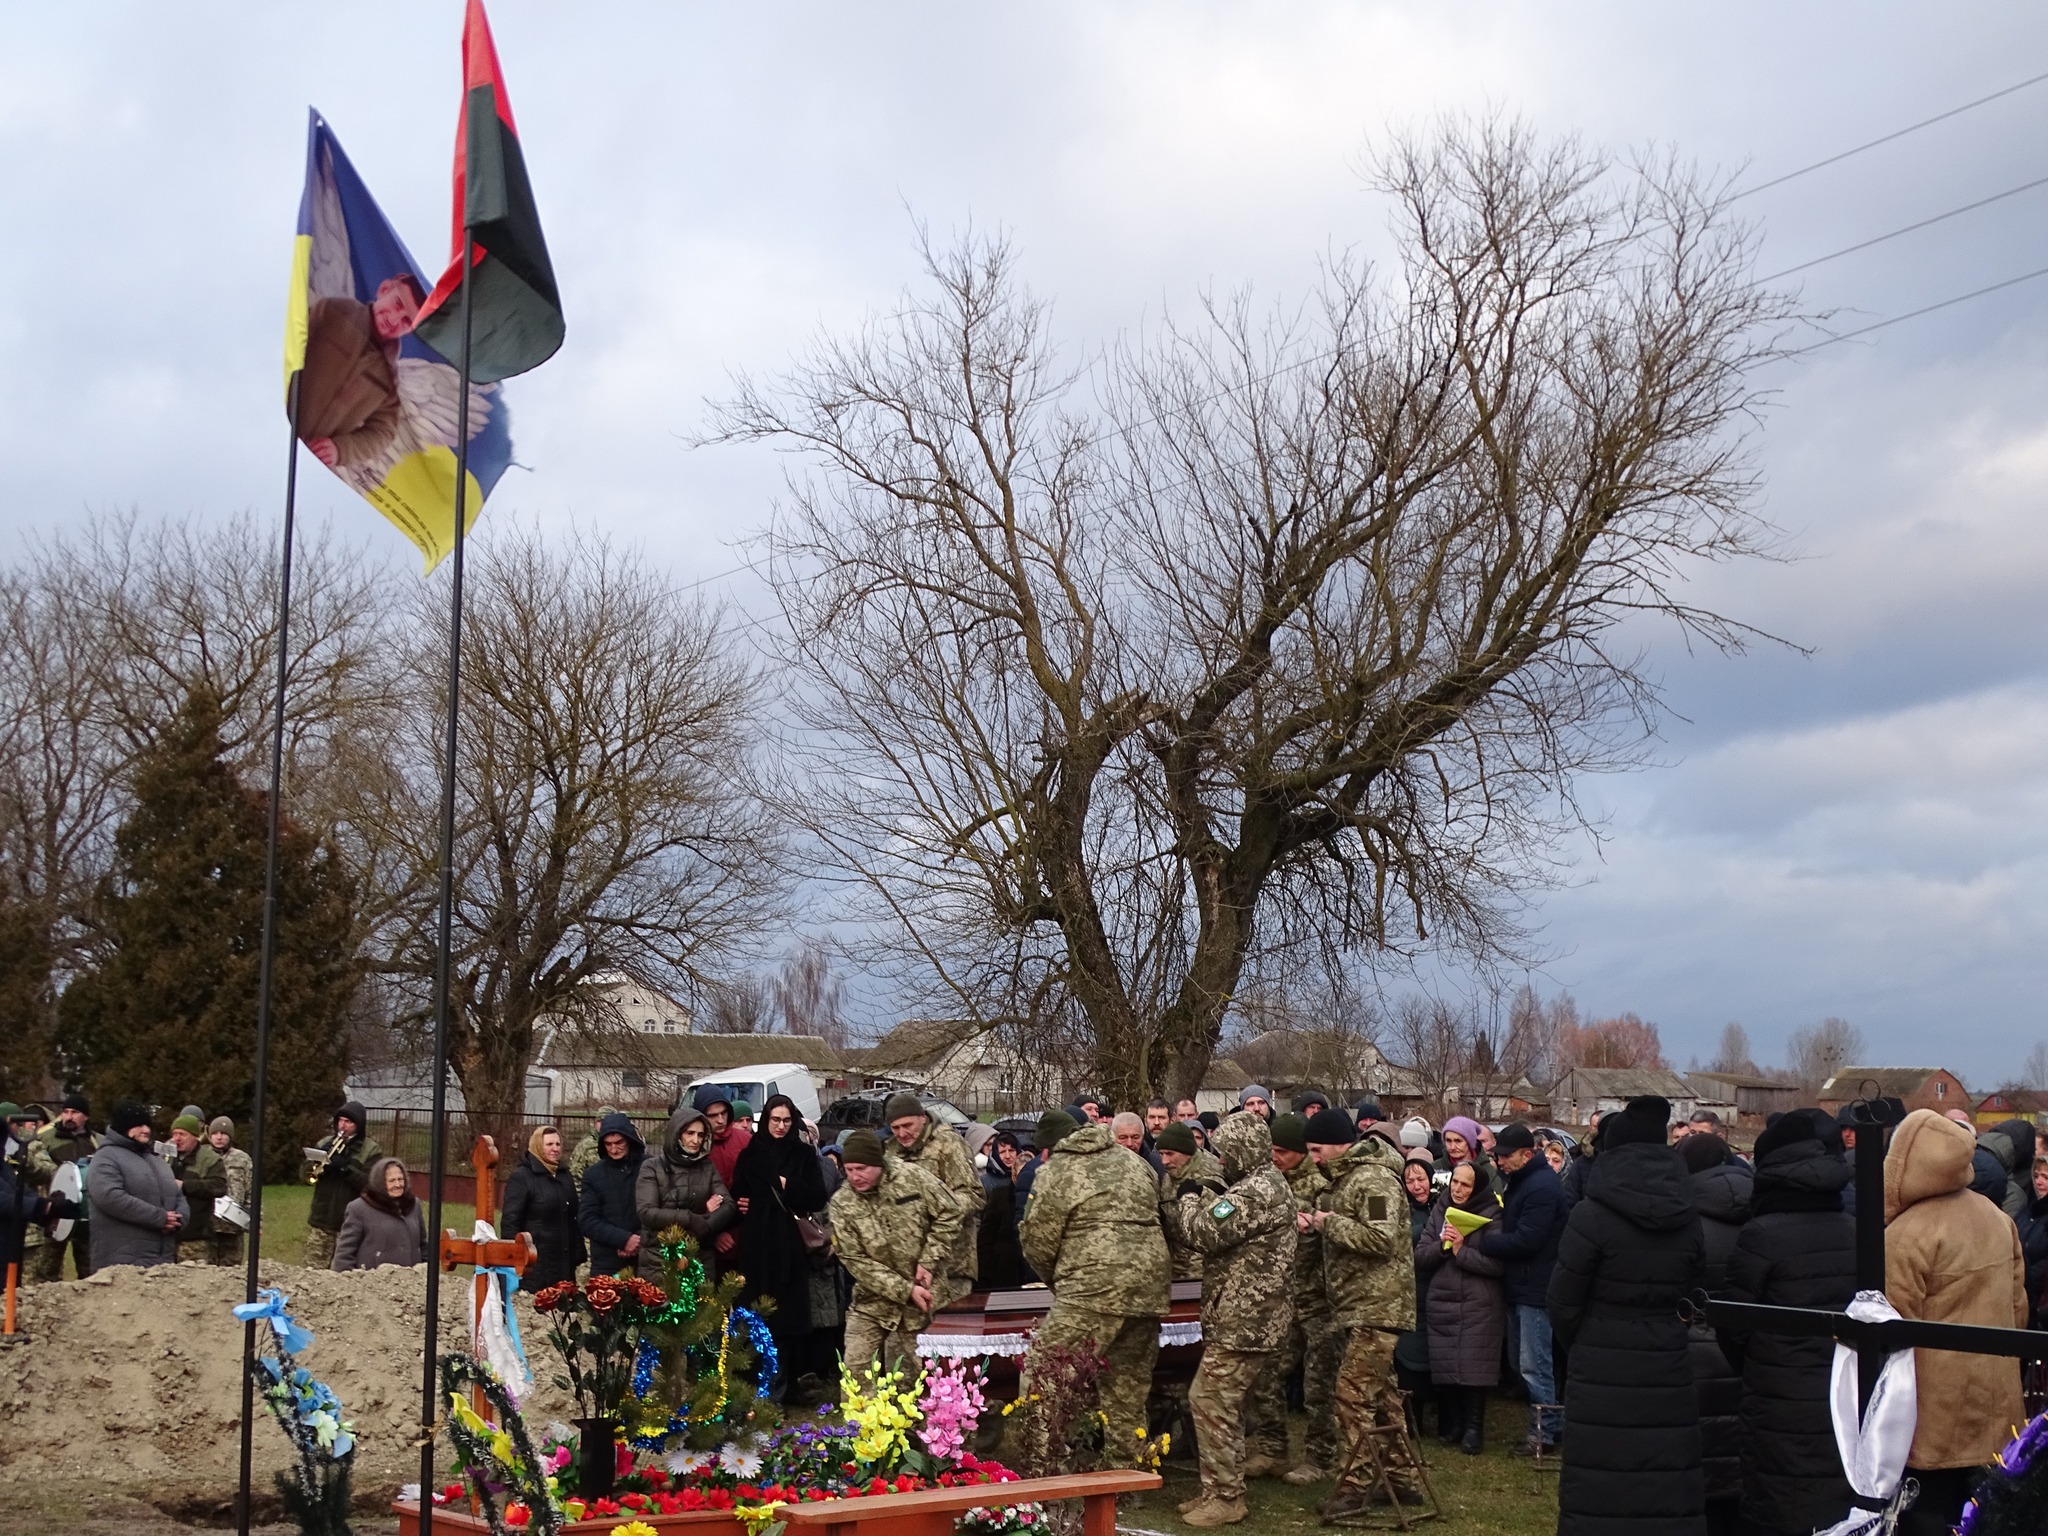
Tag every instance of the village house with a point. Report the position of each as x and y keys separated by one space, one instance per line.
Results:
x=642 y=1072
x=1918 y=1087
x=1585 y=1092
x=1752 y=1098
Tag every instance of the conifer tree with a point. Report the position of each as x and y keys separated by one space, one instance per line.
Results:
x=27 y=1055
x=166 y=1013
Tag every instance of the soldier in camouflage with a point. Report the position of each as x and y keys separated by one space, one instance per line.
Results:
x=1183 y=1162
x=915 y=1137
x=893 y=1226
x=1246 y=1237
x=1369 y=1276
x=1309 y=1347
x=590 y=1148
x=1091 y=1229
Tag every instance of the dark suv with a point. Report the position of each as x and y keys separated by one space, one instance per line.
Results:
x=867 y=1108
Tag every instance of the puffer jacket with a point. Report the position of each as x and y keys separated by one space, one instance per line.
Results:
x=672 y=1190
x=2019 y=1194
x=1467 y=1311
x=1723 y=1197
x=1246 y=1238
x=1798 y=1249
x=1951 y=1257
x=1368 y=1262
x=131 y=1189
x=1630 y=1251
x=605 y=1210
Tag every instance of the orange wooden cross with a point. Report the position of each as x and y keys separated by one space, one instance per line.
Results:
x=515 y=1253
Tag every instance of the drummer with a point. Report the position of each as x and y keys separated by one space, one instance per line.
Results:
x=224 y=1242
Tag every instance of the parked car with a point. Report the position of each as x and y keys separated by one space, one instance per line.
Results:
x=755 y=1085
x=868 y=1107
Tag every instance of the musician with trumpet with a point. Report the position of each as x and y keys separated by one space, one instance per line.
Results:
x=337 y=1175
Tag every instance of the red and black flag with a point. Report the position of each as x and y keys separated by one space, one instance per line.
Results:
x=516 y=314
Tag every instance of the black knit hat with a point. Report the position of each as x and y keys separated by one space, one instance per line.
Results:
x=861 y=1146
x=1701 y=1152
x=77 y=1101
x=1793 y=1127
x=1369 y=1109
x=126 y=1116
x=1175 y=1136
x=1290 y=1132
x=1647 y=1119
x=1331 y=1128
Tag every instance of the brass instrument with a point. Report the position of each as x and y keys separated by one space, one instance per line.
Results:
x=335 y=1144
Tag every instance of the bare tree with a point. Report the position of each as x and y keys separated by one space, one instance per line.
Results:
x=2034 y=1071
x=1298 y=642
x=1627 y=1041
x=739 y=1006
x=808 y=998
x=1818 y=1051
x=604 y=819
x=1734 y=1054
x=1432 y=1038
x=1534 y=1030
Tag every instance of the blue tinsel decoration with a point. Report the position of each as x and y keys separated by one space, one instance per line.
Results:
x=763 y=1343
x=643 y=1367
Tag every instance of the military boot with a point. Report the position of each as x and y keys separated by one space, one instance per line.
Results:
x=1210 y=1513
x=1263 y=1465
x=1304 y=1474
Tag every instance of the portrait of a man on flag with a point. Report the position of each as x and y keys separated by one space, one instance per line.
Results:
x=376 y=404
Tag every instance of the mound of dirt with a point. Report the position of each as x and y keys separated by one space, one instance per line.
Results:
x=131 y=1379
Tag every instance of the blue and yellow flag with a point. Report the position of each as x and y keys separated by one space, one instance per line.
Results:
x=376 y=404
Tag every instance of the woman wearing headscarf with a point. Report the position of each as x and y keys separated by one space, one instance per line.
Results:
x=384 y=1224
x=1411 y=1350
x=1464 y=1143
x=682 y=1188
x=1630 y=1251
x=1721 y=1184
x=775 y=1181
x=1468 y=1310
x=540 y=1200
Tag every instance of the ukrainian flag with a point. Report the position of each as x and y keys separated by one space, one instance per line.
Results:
x=373 y=402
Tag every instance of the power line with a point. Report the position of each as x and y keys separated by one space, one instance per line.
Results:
x=1897 y=133
x=1907 y=229
x=1925 y=309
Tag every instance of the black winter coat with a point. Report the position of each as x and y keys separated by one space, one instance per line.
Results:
x=605 y=1211
x=1468 y=1316
x=1798 y=1249
x=1524 y=1240
x=778 y=1177
x=2034 y=1245
x=1631 y=1249
x=998 y=1256
x=542 y=1202
x=1723 y=1196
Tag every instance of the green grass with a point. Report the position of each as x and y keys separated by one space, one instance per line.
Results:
x=284 y=1221
x=1491 y=1494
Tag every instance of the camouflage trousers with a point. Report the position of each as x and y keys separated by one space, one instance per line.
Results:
x=1216 y=1403
x=45 y=1261
x=224 y=1248
x=320 y=1248
x=1312 y=1346
x=1128 y=1346
x=871 y=1342
x=1368 y=1397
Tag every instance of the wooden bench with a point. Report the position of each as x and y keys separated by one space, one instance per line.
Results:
x=930 y=1513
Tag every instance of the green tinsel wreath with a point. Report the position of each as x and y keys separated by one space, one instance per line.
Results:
x=496 y=1458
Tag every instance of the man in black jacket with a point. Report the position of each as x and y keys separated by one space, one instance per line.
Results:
x=605 y=1210
x=338 y=1178
x=1523 y=1240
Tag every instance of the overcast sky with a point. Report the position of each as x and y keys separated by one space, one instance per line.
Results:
x=1856 y=832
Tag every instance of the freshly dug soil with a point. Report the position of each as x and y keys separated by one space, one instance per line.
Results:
x=129 y=1382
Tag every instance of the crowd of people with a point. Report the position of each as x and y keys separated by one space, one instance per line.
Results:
x=1375 y=1271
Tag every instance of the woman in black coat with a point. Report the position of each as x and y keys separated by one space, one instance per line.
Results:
x=1468 y=1310
x=1798 y=1249
x=775 y=1181
x=540 y=1199
x=1721 y=1188
x=1631 y=1250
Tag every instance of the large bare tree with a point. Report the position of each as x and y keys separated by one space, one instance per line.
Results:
x=1290 y=635
x=604 y=817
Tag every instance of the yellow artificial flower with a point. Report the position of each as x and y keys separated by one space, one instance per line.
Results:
x=634 y=1528
x=752 y=1516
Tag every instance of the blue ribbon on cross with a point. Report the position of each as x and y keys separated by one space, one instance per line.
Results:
x=273 y=1306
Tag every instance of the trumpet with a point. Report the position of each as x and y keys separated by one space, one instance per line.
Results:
x=334 y=1145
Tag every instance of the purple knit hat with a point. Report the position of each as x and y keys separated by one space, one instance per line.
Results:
x=1467 y=1128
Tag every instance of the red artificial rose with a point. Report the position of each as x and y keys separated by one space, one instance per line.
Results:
x=518 y=1514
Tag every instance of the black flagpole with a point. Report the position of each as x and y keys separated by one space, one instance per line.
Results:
x=263 y=976
x=443 y=960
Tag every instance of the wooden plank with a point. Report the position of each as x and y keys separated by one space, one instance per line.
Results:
x=880 y=1506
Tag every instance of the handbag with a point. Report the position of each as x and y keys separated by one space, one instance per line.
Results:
x=812 y=1234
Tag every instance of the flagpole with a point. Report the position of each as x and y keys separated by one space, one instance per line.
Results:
x=263 y=970
x=443 y=960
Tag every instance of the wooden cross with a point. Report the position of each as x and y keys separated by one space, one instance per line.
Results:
x=515 y=1253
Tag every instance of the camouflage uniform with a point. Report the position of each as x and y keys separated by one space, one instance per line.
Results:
x=1369 y=1276
x=1202 y=1169
x=202 y=1178
x=1246 y=1239
x=57 y=1145
x=1091 y=1229
x=909 y=1218
x=224 y=1246
x=942 y=1152
x=1310 y=1346
x=588 y=1150
x=37 y=1169
x=332 y=1190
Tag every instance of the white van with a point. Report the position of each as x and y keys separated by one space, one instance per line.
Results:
x=756 y=1085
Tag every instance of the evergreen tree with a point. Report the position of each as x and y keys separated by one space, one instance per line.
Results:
x=27 y=1046
x=166 y=1014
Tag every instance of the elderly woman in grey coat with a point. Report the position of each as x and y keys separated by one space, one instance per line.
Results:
x=137 y=1208
x=1468 y=1310
x=384 y=1224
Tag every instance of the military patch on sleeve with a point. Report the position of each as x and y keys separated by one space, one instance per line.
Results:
x=1375 y=1207
x=1222 y=1210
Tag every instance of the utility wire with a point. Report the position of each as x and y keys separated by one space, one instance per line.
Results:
x=1907 y=229
x=1925 y=309
x=1897 y=133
